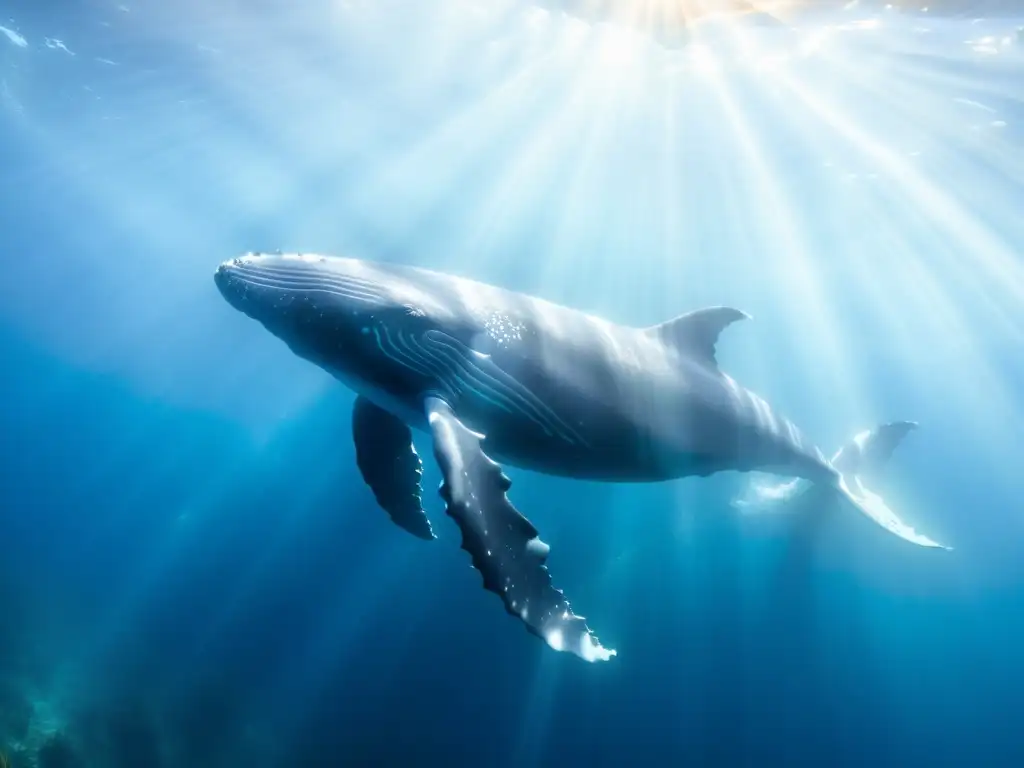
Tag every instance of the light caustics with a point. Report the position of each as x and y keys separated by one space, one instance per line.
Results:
x=359 y=124
x=460 y=134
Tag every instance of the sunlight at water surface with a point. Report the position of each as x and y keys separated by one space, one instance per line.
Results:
x=849 y=174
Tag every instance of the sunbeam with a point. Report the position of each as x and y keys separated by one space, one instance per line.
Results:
x=187 y=517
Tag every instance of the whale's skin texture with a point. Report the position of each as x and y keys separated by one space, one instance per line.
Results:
x=499 y=377
x=552 y=389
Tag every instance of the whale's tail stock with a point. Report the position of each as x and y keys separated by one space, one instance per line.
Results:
x=857 y=463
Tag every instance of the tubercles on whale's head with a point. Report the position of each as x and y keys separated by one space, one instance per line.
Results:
x=356 y=319
x=320 y=306
x=273 y=286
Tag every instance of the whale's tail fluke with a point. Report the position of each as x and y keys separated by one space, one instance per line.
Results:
x=857 y=465
x=863 y=459
x=869 y=451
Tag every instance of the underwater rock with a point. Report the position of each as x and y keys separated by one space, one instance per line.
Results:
x=133 y=739
x=58 y=752
x=117 y=733
x=32 y=734
x=15 y=713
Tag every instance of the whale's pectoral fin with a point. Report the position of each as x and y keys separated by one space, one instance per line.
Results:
x=390 y=466
x=504 y=545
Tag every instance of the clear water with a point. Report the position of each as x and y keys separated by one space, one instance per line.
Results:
x=192 y=571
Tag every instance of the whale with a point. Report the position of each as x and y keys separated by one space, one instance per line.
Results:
x=497 y=378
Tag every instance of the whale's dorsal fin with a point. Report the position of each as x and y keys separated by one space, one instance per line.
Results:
x=697 y=332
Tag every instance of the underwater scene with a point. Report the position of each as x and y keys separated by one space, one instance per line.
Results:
x=497 y=383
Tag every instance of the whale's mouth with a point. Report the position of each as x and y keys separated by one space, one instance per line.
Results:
x=247 y=281
x=316 y=280
x=245 y=286
x=230 y=284
x=222 y=277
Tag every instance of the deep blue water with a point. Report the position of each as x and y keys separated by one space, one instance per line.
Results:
x=192 y=571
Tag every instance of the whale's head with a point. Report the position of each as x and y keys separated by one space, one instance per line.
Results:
x=359 y=320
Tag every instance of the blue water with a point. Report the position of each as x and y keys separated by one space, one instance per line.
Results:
x=192 y=571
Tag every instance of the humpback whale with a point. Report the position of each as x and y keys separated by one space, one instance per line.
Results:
x=496 y=377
